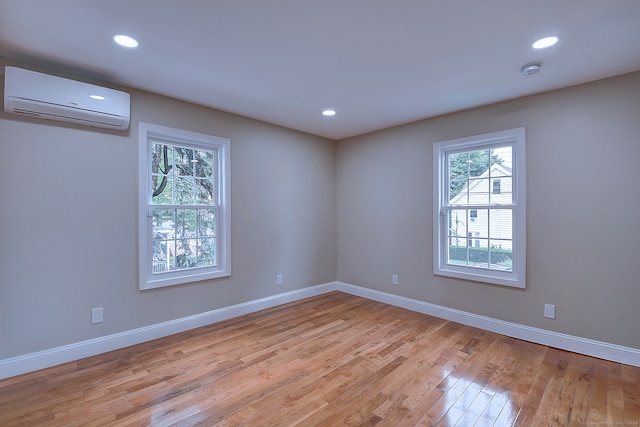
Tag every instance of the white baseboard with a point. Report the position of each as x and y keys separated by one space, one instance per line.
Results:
x=47 y=358
x=602 y=350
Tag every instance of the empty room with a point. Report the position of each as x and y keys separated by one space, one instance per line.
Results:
x=297 y=213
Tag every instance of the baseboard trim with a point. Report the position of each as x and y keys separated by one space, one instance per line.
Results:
x=599 y=349
x=68 y=353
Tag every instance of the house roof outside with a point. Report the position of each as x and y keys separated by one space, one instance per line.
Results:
x=496 y=171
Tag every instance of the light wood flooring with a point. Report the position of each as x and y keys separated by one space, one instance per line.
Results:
x=330 y=360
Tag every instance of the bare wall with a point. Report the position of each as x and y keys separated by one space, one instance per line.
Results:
x=583 y=147
x=68 y=217
x=68 y=221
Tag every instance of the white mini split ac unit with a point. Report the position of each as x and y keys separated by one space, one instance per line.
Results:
x=33 y=94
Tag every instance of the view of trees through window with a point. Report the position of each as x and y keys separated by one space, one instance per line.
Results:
x=183 y=207
x=468 y=164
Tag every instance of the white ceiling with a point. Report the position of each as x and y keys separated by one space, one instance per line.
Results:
x=378 y=63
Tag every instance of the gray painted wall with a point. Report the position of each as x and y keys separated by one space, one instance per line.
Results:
x=68 y=221
x=583 y=247
x=357 y=210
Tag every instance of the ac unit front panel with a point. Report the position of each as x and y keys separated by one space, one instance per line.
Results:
x=31 y=85
x=55 y=98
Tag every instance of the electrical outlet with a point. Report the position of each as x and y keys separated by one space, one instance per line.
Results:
x=394 y=280
x=96 y=315
x=279 y=279
x=550 y=311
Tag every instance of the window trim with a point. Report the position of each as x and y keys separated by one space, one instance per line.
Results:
x=515 y=278
x=146 y=133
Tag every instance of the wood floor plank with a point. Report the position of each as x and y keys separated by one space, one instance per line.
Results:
x=334 y=359
x=631 y=393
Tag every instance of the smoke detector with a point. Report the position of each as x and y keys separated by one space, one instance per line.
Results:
x=530 y=69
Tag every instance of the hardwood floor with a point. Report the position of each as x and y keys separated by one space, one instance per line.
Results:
x=330 y=360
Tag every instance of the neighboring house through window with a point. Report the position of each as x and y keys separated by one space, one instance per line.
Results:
x=479 y=208
x=184 y=231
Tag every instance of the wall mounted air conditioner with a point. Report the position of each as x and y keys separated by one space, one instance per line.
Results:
x=33 y=94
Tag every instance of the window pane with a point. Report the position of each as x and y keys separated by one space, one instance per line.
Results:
x=457 y=255
x=457 y=226
x=207 y=252
x=458 y=193
x=184 y=160
x=162 y=189
x=206 y=223
x=500 y=233
x=468 y=164
x=502 y=156
x=184 y=191
x=185 y=223
x=204 y=164
x=479 y=192
x=478 y=163
x=161 y=173
x=501 y=255
x=163 y=259
x=163 y=223
x=205 y=192
x=501 y=191
x=459 y=167
x=185 y=254
x=501 y=224
x=479 y=254
x=160 y=256
x=161 y=158
x=479 y=224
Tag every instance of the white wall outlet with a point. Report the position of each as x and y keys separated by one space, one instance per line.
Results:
x=550 y=311
x=394 y=280
x=96 y=315
x=279 y=279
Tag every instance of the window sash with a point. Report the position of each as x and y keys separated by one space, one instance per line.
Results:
x=458 y=236
x=200 y=234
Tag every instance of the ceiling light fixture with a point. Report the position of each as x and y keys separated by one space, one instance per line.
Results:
x=125 y=41
x=329 y=113
x=97 y=97
x=545 y=42
x=530 y=69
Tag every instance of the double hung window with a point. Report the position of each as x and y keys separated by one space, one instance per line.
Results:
x=184 y=207
x=479 y=208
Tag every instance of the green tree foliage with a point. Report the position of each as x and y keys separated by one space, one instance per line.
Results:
x=169 y=163
x=469 y=164
x=183 y=176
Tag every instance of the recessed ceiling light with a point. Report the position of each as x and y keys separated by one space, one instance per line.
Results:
x=125 y=41
x=545 y=42
x=329 y=113
x=98 y=97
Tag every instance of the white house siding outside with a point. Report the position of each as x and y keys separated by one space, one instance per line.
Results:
x=469 y=226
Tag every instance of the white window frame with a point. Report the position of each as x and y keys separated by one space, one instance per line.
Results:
x=147 y=134
x=517 y=276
